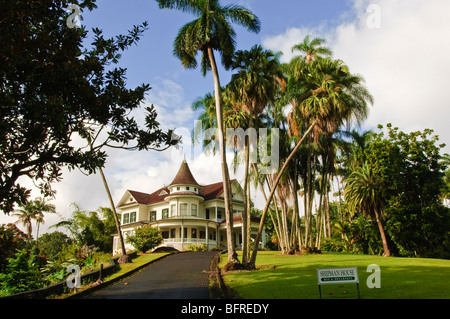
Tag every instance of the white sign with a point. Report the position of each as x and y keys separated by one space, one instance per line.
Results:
x=337 y=275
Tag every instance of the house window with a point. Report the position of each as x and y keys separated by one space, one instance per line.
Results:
x=165 y=213
x=129 y=218
x=207 y=213
x=178 y=188
x=193 y=209
x=165 y=234
x=185 y=233
x=194 y=233
x=173 y=210
x=173 y=233
x=183 y=209
x=153 y=216
x=219 y=215
x=126 y=218
x=187 y=188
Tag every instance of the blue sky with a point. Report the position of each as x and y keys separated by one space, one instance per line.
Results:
x=404 y=59
x=153 y=60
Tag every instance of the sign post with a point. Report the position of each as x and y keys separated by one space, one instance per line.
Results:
x=327 y=276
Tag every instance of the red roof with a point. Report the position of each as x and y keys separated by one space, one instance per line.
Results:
x=184 y=176
x=208 y=192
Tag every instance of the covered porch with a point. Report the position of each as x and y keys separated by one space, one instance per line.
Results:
x=184 y=233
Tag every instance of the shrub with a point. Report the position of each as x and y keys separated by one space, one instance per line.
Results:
x=22 y=274
x=196 y=247
x=145 y=238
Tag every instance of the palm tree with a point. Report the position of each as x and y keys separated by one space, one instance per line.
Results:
x=324 y=95
x=252 y=89
x=33 y=210
x=312 y=48
x=211 y=31
x=363 y=193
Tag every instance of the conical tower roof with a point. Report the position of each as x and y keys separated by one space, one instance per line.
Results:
x=184 y=176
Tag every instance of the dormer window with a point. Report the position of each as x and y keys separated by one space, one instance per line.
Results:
x=178 y=188
x=187 y=188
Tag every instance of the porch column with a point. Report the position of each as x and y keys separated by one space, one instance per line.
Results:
x=217 y=220
x=182 y=235
x=207 y=237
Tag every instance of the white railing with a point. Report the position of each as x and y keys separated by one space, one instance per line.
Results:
x=188 y=240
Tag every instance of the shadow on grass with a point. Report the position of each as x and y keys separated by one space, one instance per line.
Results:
x=401 y=278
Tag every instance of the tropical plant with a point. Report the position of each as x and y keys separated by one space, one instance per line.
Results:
x=90 y=228
x=22 y=274
x=33 y=210
x=363 y=193
x=12 y=239
x=324 y=95
x=51 y=244
x=312 y=48
x=255 y=86
x=211 y=31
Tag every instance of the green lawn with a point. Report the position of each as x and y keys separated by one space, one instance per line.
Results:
x=295 y=277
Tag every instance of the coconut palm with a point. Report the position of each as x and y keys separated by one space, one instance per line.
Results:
x=33 y=210
x=212 y=30
x=363 y=193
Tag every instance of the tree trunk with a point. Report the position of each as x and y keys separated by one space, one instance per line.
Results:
x=124 y=259
x=232 y=256
x=246 y=211
x=328 y=215
x=387 y=252
x=252 y=262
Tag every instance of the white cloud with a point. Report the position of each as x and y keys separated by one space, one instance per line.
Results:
x=293 y=36
x=405 y=62
x=169 y=100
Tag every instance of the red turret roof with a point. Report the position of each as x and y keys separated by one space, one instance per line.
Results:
x=184 y=176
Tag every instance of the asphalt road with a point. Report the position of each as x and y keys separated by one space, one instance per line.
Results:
x=179 y=276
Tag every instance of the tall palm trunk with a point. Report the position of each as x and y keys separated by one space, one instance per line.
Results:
x=272 y=192
x=124 y=258
x=246 y=211
x=232 y=256
x=387 y=252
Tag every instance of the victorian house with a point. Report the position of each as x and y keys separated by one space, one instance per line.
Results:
x=185 y=212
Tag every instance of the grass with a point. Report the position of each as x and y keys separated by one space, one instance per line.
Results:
x=295 y=277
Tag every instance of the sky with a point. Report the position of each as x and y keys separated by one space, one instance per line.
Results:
x=400 y=47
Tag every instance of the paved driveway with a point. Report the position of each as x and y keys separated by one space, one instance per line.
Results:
x=179 y=276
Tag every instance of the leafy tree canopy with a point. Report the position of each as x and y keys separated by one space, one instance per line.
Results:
x=53 y=89
x=410 y=171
